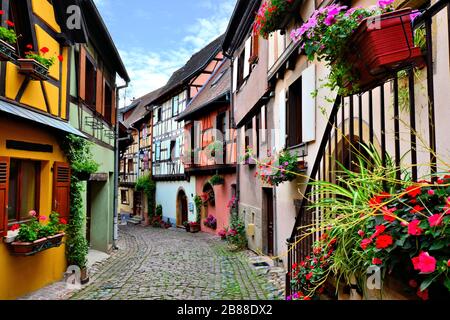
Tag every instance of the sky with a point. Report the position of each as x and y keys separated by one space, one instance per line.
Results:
x=157 y=37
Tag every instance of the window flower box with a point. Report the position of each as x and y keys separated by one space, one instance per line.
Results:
x=7 y=51
x=33 y=69
x=380 y=46
x=28 y=248
x=194 y=227
x=56 y=239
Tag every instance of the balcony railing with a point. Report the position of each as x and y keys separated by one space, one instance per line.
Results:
x=128 y=177
x=381 y=117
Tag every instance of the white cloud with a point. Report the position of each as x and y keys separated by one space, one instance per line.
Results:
x=151 y=70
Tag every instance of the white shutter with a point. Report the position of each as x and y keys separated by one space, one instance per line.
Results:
x=248 y=50
x=235 y=73
x=309 y=104
x=282 y=120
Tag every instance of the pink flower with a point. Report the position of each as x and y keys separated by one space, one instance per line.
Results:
x=388 y=214
x=424 y=263
x=32 y=213
x=365 y=243
x=435 y=220
x=414 y=229
x=431 y=192
x=384 y=3
x=361 y=233
x=43 y=218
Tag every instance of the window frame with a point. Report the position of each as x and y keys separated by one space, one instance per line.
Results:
x=294 y=115
x=18 y=190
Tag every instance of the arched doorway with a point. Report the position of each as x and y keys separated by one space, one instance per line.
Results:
x=182 y=208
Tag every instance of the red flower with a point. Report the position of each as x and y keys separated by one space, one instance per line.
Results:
x=384 y=241
x=431 y=192
x=388 y=214
x=15 y=227
x=307 y=298
x=324 y=237
x=413 y=283
x=435 y=220
x=44 y=50
x=10 y=23
x=414 y=191
x=361 y=233
x=424 y=263
x=440 y=181
x=379 y=230
x=365 y=243
x=377 y=261
x=376 y=201
x=309 y=276
x=29 y=46
x=417 y=209
x=2 y=12
x=448 y=263
x=63 y=221
x=423 y=294
x=414 y=229
x=60 y=58
x=317 y=251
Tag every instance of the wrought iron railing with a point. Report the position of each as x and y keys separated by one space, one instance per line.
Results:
x=369 y=118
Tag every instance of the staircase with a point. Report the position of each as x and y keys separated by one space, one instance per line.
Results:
x=136 y=220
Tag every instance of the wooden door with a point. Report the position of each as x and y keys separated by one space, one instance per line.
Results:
x=137 y=203
x=61 y=189
x=184 y=209
x=4 y=183
x=268 y=208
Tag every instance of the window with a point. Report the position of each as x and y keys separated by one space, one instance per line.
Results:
x=130 y=166
x=294 y=115
x=19 y=14
x=240 y=71
x=173 y=143
x=124 y=196
x=248 y=135
x=258 y=132
x=175 y=103
x=158 y=151
x=159 y=114
x=91 y=84
x=23 y=189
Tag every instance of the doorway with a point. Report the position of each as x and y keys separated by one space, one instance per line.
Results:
x=182 y=208
x=89 y=213
x=137 y=203
x=269 y=223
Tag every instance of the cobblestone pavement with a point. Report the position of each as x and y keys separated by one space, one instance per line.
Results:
x=156 y=264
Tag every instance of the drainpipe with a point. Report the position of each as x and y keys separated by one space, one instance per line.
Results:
x=116 y=172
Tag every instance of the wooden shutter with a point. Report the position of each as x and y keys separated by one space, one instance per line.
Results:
x=61 y=189
x=100 y=103
x=283 y=117
x=4 y=183
x=82 y=74
x=247 y=54
x=113 y=107
x=309 y=104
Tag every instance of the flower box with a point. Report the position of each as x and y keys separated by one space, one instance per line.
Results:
x=194 y=228
x=7 y=51
x=28 y=248
x=56 y=239
x=33 y=69
x=380 y=46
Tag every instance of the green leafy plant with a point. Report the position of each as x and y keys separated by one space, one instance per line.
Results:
x=8 y=35
x=46 y=62
x=279 y=168
x=325 y=37
x=217 y=180
x=148 y=187
x=159 y=210
x=198 y=206
x=236 y=234
x=38 y=228
x=270 y=16
x=77 y=151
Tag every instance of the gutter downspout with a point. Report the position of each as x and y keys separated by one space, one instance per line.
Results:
x=116 y=172
x=233 y=126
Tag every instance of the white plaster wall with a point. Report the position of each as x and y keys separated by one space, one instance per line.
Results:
x=166 y=195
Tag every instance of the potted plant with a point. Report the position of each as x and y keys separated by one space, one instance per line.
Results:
x=194 y=227
x=280 y=168
x=361 y=46
x=186 y=226
x=217 y=180
x=271 y=16
x=36 y=65
x=8 y=39
x=83 y=169
x=211 y=222
x=37 y=236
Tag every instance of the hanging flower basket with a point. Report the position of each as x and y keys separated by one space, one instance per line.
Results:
x=7 y=51
x=217 y=180
x=380 y=46
x=33 y=69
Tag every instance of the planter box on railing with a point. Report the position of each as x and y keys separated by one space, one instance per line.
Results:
x=381 y=46
x=33 y=69
x=7 y=52
x=32 y=248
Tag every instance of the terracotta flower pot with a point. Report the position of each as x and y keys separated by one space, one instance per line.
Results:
x=24 y=248
x=380 y=46
x=7 y=51
x=33 y=69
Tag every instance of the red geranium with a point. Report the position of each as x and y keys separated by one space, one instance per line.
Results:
x=10 y=23
x=15 y=227
x=417 y=209
x=424 y=263
x=60 y=58
x=63 y=221
x=388 y=214
x=377 y=261
x=384 y=241
x=435 y=220
x=414 y=191
x=365 y=243
x=44 y=50
x=414 y=229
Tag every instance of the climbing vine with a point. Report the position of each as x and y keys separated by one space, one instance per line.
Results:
x=79 y=155
x=146 y=185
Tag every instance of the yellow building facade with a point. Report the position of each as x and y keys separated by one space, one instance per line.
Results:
x=33 y=119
